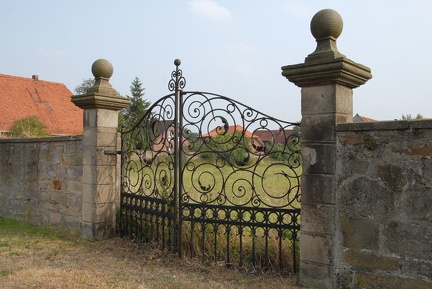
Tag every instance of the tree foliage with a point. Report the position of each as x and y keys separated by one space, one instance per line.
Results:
x=28 y=127
x=84 y=87
x=138 y=107
x=409 y=117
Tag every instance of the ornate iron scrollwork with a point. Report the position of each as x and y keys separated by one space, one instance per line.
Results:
x=177 y=80
x=201 y=165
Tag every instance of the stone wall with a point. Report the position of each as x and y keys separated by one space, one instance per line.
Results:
x=41 y=180
x=383 y=202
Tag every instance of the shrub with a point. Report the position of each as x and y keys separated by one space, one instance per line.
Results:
x=28 y=127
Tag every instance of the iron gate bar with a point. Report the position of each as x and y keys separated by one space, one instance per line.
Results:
x=185 y=167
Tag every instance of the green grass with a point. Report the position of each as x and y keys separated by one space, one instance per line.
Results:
x=9 y=229
x=4 y=273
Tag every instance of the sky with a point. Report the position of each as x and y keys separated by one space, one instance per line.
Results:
x=235 y=48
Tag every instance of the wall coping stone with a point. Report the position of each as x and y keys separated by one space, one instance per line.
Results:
x=42 y=139
x=385 y=125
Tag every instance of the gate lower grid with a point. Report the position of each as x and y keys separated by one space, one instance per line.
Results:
x=210 y=178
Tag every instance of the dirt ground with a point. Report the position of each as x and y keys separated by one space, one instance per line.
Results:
x=32 y=260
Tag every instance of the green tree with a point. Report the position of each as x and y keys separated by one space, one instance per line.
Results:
x=409 y=117
x=138 y=107
x=28 y=127
x=84 y=87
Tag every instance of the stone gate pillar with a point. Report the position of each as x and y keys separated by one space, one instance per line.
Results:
x=327 y=79
x=101 y=105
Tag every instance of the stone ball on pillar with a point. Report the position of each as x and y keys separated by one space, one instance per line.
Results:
x=326 y=23
x=102 y=68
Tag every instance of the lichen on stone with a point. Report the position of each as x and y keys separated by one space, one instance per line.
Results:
x=370 y=143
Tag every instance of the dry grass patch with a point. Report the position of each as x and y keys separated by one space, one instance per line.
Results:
x=32 y=257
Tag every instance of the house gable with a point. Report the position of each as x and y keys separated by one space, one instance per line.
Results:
x=359 y=118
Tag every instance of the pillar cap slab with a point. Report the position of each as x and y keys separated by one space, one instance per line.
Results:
x=97 y=100
x=334 y=71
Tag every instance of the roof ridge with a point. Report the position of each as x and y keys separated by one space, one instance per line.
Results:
x=29 y=78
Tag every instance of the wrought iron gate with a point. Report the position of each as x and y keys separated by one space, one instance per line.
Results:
x=211 y=178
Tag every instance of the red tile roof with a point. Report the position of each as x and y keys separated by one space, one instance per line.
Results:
x=274 y=136
x=359 y=118
x=231 y=129
x=22 y=97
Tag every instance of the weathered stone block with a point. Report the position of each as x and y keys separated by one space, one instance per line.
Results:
x=416 y=267
x=54 y=218
x=88 y=212
x=107 y=118
x=90 y=136
x=99 y=174
x=92 y=156
x=378 y=281
x=409 y=239
x=316 y=188
x=427 y=170
x=350 y=138
x=71 y=159
x=316 y=248
x=415 y=204
x=98 y=213
x=319 y=158
x=72 y=221
x=56 y=151
x=361 y=167
x=392 y=176
x=90 y=116
x=59 y=197
x=316 y=275
x=360 y=233
x=370 y=262
x=106 y=212
x=105 y=193
x=317 y=218
x=107 y=137
x=88 y=193
x=345 y=277
x=74 y=173
x=74 y=187
x=326 y=98
x=70 y=211
x=318 y=128
x=365 y=197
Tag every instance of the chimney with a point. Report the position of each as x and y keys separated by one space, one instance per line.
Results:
x=35 y=77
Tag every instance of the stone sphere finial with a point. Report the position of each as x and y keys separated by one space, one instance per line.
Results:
x=326 y=23
x=102 y=68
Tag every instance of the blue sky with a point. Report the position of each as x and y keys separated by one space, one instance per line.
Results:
x=231 y=47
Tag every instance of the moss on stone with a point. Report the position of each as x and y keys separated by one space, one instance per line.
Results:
x=370 y=143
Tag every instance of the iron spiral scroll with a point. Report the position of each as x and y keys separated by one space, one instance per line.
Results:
x=201 y=171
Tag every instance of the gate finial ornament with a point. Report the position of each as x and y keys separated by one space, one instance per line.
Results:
x=177 y=81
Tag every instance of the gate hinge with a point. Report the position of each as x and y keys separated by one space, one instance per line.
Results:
x=108 y=152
